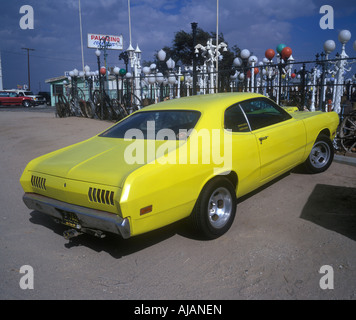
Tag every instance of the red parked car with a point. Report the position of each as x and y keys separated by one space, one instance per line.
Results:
x=13 y=99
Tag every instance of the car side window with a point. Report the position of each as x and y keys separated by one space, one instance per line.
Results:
x=235 y=120
x=263 y=113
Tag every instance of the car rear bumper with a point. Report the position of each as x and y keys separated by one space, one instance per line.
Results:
x=87 y=218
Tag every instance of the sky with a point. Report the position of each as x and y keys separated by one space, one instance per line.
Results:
x=256 y=25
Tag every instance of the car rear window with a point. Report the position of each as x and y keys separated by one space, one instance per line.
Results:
x=148 y=125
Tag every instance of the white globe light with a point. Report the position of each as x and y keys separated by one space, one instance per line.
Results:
x=252 y=59
x=87 y=68
x=97 y=52
x=241 y=76
x=162 y=55
x=344 y=36
x=329 y=46
x=116 y=70
x=159 y=77
x=170 y=63
x=146 y=70
x=76 y=72
x=172 y=79
x=153 y=66
x=128 y=75
x=151 y=79
x=245 y=54
x=237 y=62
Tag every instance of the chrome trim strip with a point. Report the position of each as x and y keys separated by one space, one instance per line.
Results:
x=89 y=218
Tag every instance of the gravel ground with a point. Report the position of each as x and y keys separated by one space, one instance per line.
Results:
x=282 y=236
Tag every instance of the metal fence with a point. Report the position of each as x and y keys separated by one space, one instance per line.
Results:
x=325 y=85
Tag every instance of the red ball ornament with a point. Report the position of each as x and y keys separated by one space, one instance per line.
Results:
x=293 y=75
x=256 y=71
x=269 y=54
x=103 y=71
x=286 y=53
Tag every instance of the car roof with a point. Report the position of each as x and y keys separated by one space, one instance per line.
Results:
x=203 y=103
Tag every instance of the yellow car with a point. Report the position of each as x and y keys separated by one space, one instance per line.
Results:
x=190 y=157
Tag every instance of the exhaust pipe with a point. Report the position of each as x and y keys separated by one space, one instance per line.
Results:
x=71 y=233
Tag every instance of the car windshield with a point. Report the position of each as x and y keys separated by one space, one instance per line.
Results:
x=29 y=93
x=156 y=125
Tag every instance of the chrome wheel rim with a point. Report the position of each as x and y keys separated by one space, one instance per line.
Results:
x=320 y=154
x=220 y=208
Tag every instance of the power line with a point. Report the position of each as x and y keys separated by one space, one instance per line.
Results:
x=42 y=57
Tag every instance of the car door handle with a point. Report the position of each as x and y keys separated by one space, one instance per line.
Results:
x=263 y=138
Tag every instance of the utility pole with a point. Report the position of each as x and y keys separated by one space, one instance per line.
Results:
x=81 y=32
x=194 y=28
x=28 y=66
x=1 y=83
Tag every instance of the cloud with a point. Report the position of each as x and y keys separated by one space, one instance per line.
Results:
x=253 y=24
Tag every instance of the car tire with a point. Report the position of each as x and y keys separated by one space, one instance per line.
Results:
x=215 y=209
x=321 y=155
x=26 y=104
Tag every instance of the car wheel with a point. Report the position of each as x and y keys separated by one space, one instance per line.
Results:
x=215 y=209
x=321 y=155
x=26 y=104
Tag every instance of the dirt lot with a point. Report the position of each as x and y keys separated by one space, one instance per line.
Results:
x=282 y=235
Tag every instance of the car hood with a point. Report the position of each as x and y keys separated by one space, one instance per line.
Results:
x=98 y=160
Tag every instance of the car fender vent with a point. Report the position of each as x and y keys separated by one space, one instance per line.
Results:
x=38 y=182
x=101 y=196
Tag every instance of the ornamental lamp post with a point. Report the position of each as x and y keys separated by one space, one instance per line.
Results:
x=212 y=54
x=237 y=63
x=269 y=55
x=134 y=56
x=98 y=53
x=89 y=77
x=245 y=54
x=343 y=37
x=171 y=78
x=339 y=66
x=329 y=46
x=160 y=79
x=117 y=73
x=252 y=60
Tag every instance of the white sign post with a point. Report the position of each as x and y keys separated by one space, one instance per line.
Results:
x=95 y=41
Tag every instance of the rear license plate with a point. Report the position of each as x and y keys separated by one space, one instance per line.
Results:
x=70 y=219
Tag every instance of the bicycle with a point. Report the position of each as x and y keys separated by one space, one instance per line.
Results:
x=347 y=132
